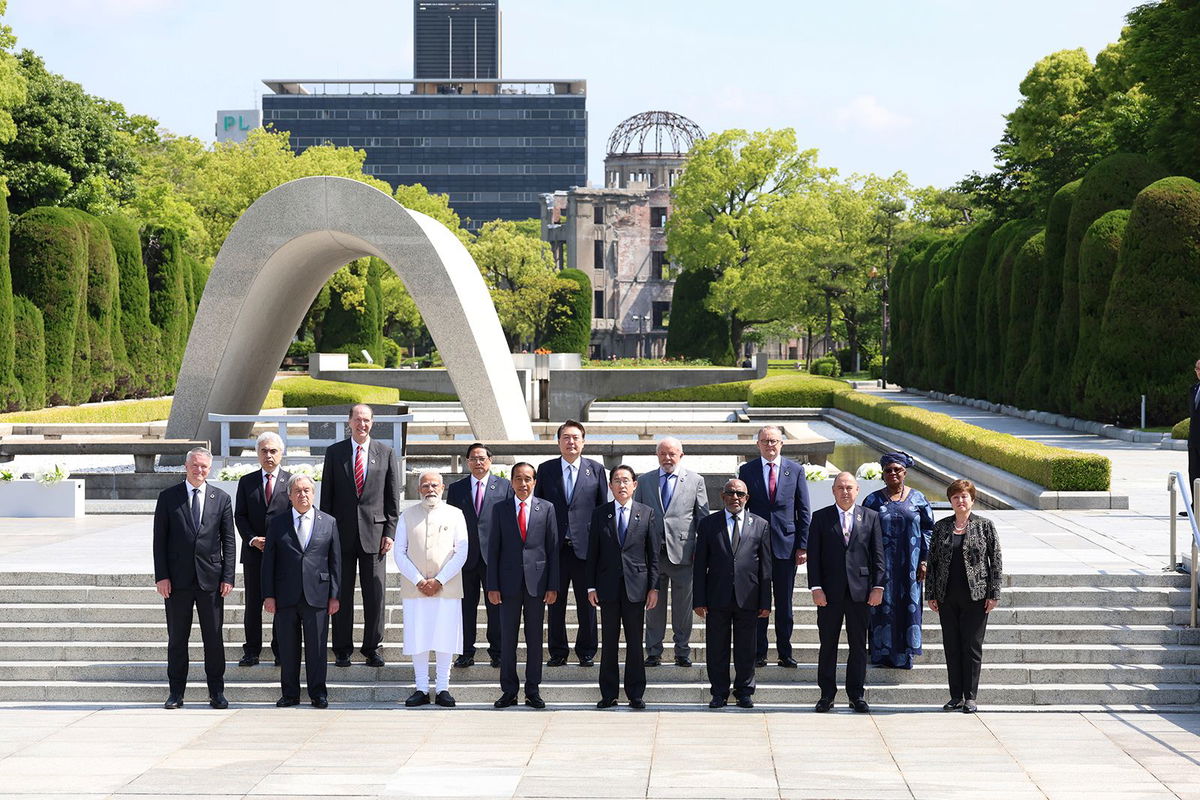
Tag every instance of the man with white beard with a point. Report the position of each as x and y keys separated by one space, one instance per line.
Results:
x=431 y=548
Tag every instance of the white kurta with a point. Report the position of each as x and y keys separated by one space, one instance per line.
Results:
x=431 y=623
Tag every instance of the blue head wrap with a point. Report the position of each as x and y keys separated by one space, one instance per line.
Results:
x=900 y=457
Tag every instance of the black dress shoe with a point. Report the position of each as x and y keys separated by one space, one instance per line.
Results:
x=587 y=662
x=218 y=701
x=279 y=663
x=464 y=661
x=342 y=661
x=557 y=661
x=860 y=706
x=495 y=663
x=745 y=702
x=788 y=662
x=417 y=698
x=760 y=662
x=174 y=701
x=374 y=660
x=717 y=702
x=953 y=705
x=505 y=701
x=320 y=702
x=285 y=702
x=823 y=705
x=637 y=703
x=969 y=707
x=534 y=701
x=653 y=661
x=444 y=699
x=606 y=703
x=682 y=661
x=248 y=661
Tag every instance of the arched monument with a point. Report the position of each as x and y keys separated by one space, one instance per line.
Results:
x=278 y=256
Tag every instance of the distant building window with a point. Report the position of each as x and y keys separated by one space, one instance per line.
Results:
x=598 y=215
x=598 y=254
x=658 y=216
x=661 y=310
x=598 y=302
x=659 y=266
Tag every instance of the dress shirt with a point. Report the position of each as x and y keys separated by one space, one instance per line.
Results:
x=729 y=518
x=672 y=484
x=617 y=520
x=842 y=527
x=366 y=448
x=767 y=472
x=203 y=491
x=274 y=482
x=297 y=519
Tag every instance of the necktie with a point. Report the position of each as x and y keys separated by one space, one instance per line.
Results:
x=846 y=523
x=771 y=482
x=521 y=520
x=360 y=472
x=196 y=508
x=736 y=537
x=267 y=492
x=668 y=488
x=302 y=531
x=478 y=496
x=621 y=525
x=569 y=483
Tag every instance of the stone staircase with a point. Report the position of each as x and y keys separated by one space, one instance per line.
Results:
x=1057 y=641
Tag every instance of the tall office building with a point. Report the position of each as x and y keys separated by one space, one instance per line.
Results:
x=456 y=39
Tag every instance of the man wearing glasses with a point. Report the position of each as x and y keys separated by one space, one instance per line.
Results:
x=731 y=586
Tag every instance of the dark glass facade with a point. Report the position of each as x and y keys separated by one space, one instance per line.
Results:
x=494 y=154
x=456 y=39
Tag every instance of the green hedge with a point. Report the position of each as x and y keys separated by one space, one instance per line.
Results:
x=694 y=331
x=1026 y=278
x=304 y=392
x=141 y=337
x=11 y=395
x=110 y=368
x=571 y=328
x=1182 y=429
x=967 y=323
x=1011 y=237
x=29 y=367
x=152 y=409
x=161 y=254
x=732 y=392
x=1098 y=256
x=794 y=391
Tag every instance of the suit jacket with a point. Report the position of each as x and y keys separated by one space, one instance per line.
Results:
x=675 y=526
x=591 y=490
x=981 y=558
x=789 y=514
x=722 y=578
x=608 y=561
x=837 y=567
x=530 y=567
x=362 y=521
x=459 y=495
x=1194 y=416
x=251 y=511
x=289 y=573
x=201 y=558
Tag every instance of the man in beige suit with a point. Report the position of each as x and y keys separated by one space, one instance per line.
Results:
x=431 y=548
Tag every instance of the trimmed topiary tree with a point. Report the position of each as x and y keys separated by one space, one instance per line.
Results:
x=695 y=332
x=12 y=398
x=110 y=369
x=967 y=324
x=49 y=267
x=571 y=329
x=29 y=366
x=168 y=300
x=904 y=319
x=346 y=328
x=1149 y=339
x=923 y=280
x=141 y=337
x=1007 y=248
x=1097 y=262
x=1027 y=269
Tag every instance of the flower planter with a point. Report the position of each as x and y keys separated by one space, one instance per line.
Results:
x=32 y=499
x=230 y=488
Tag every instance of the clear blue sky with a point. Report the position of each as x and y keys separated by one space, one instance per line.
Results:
x=875 y=85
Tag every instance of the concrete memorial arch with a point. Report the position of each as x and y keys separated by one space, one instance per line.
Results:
x=278 y=256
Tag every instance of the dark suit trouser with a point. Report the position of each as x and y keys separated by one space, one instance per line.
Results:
x=963 y=625
x=210 y=610
x=572 y=572
x=472 y=584
x=632 y=617
x=677 y=578
x=292 y=623
x=512 y=611
x=829 y=627
x=721 y=625
x=1194 y=455
x=371 y=569
x=783 y=582
x=252 y=588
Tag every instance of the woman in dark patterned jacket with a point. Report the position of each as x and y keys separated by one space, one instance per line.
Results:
x=963 y=587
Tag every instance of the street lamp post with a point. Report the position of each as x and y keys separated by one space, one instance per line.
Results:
x=640 y=319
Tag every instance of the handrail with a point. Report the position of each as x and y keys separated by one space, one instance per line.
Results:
x=1176 y=483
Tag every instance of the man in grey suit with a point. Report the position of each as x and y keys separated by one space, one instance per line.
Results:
x=301 y=570
x=679 y=500
x=360 y=488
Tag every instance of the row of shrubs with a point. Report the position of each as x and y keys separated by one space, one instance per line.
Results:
x=1079 y=313
x=305 y=392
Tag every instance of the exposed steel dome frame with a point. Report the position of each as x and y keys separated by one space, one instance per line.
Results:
x=647 y=133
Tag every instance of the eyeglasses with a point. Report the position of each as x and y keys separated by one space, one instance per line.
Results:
x=478 y=459
x=733 y=493
x=893 y=469
x=771 y=442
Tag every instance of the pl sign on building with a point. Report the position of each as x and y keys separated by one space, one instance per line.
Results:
x=232 y=126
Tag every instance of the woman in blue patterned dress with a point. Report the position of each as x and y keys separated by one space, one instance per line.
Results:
x=907 y=521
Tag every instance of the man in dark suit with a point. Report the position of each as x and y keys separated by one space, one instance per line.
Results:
x=360 y=488
x=779 y=494
x=845 y=574
x=194 y=562
x=261 y=495
x=475 y=495
x=622 y=579
x=1193 y=441
x=731 y=587
x=575 y=486
x=302 y=567
x=522 y=573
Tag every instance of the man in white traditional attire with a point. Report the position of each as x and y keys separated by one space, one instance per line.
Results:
x=431 y=548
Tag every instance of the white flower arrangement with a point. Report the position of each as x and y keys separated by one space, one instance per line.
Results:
x=312 y=471
x=235 y=471
x=499 y=472
x=51 y=475
x=813 y=472
x=870 y=471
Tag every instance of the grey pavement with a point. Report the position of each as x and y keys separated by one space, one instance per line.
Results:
x=397 y=753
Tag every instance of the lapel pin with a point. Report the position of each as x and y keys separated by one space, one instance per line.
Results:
x=787 y=472
x=588 y=472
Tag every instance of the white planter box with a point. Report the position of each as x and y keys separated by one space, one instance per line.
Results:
x=820 y=493
x=32 y=499
x=230 y=488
